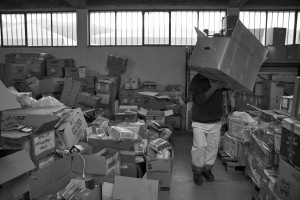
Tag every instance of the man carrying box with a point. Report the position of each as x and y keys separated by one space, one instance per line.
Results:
x=207 y=111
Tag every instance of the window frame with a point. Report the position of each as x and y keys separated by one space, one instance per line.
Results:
x=143 y=25
x=26 y=27
x=297 y=12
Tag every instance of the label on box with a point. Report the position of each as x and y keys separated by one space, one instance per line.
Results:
x=44 y=142
x=46 y=162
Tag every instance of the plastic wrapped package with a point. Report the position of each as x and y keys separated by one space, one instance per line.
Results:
x=268 y=156
x=239 y=125
x=268 y=183
x=101 y=125
x=242 y=117
x=47 y=101
x=165 y=134
x=256 y=169
x=121 y=133
x=140 y=147
x=24 y=98
x=96 y=132
x=130 y=126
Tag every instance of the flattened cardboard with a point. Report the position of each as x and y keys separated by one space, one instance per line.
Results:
x=7 y=101
x=14 y=163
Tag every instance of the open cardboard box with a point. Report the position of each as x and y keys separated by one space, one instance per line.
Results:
x=72 y=128
x=235 y=60
x=156 y=115
x=57 y=175
x=14 y=176
x=159 y=169
x=153 y=100
x=40 y=141
x=102 y=163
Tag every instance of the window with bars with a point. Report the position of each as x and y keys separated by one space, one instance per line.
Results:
x=298 y=29
x=64 y=29
x=211 y=20
x=39 y=29
x=183 y=25
x=13 y=29
x=156 y=28
x=283 y=19
x=102 y=28
x=258 y=22
x=42 y=29
x=255 y=21
x=129 y=28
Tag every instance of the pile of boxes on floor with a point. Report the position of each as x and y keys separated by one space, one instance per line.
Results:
x=54 y=152
x=267 y=146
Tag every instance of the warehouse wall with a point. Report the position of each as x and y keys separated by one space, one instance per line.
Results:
x=164 y=65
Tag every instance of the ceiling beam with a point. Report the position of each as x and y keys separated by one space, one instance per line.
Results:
x=236 y=3
x=80 y=4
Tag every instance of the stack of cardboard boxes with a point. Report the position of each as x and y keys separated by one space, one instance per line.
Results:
x=70 y=91
x=289 y=164
x=60 y=67
x=20 y=65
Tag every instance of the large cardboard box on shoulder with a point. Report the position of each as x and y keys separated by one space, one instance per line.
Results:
x=235 y=60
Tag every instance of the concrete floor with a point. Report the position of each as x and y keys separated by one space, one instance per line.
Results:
x=227 y=186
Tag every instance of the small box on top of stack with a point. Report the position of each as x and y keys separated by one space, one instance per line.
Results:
x=106 y=89
x=57 y=67
x=70 y=92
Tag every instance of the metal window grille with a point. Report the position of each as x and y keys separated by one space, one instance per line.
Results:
x=102 y=28
x=0 y=35
x=183 y=25
x=255 y=21
x=129 y=28
x=64 y=29
x=39 y=29
x=211 y=20
x=156 y=28
x=298 y=29
x=283 y=19
x=13 y=28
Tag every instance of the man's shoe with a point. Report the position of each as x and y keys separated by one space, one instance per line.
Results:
x=197 y=174
x=208 y=175
x=198 y=180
